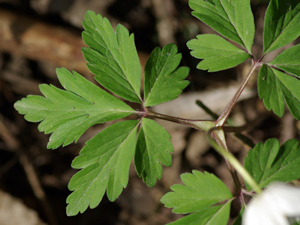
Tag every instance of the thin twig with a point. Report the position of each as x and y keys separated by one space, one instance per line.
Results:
x=31 y=175
x=207 y=110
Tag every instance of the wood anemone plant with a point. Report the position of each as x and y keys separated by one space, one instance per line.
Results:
x=112 y=56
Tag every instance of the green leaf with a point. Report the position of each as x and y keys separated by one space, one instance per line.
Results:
x=233 y=19
x=208 y=216
x=105 y=161
x=197 y=196
x=288 y=61
x=218 y=54
x=275 y=87
x=112 y=56
x=153 y=149
x=201 y=190
x=282 y=24
x=67 y=114
x=270 y=162
x=163 y=80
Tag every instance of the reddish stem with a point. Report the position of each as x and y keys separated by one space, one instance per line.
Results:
x=223 y=117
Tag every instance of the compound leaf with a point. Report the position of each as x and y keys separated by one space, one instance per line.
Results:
x=272 y=162
x=153 y=149
x=67 y=114
x=105 y=161
x=288 y=61
x=218 y=54
x=163 y=80
x=233 y=19
x=282 y=24
x=112 y=56
x=200 y=191
x=208 y=216
x=275 y=87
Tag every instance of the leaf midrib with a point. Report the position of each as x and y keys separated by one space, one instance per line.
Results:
x=113 y=56
x=282 y=31
x=108 y=161
x=158 y=74
x=234 y=25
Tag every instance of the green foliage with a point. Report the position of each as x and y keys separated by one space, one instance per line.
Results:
x=112 y=57
x=208 y=216
x=288 y=61
x=153 y=147
x=198 y=195
x=282 y=24
x=163 y=81
x=275 y=86
x=105 y=161
x=232 y=19
x=68 y=114
x=278 y=80
x=272 y=162
x=218 y=54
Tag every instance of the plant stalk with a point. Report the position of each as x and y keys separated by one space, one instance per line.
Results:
x=219 y=137
x=234 y=162
x=223 y=117
x=202 y=125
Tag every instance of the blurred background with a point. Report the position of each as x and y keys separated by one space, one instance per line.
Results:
x=37 y=36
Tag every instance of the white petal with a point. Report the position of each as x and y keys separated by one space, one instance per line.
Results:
x=277 y=202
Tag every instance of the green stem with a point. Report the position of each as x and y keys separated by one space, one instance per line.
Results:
x=219 y=137
x=223 y=117
x=234 y=162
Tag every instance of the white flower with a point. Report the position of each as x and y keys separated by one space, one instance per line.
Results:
x=278 y=204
